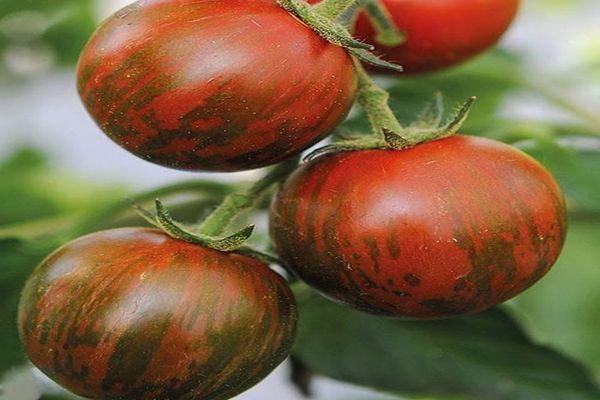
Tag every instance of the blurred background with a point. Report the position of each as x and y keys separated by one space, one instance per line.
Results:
x=540 y=91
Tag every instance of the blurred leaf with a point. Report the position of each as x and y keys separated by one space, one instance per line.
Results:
x=575 y=163
x=485 y=356
x=556 y=5
x=30 y=189
x=571 y=153
x=489 y=77
x=62 y=26
x=563 y=309
x=74 y=26
x=19 y=201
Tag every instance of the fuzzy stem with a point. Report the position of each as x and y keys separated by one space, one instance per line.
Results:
x=236 y=203
x=333 y=9
x=216 y=223
x=387 y=32
x=374 y=100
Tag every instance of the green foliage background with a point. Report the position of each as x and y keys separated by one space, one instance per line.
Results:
x=542 y=345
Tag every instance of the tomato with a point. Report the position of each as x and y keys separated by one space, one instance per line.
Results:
x=133 y=314
x=214 y=85
x=440 y=33
x=448 y=227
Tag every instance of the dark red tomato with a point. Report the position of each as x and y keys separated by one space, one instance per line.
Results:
x=215 y=85
x=134 y=314
x=449 y=227
x=441 y=33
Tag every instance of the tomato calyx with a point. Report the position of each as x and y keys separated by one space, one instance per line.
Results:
x=163 y=220
x=231 y=243
x=210 y=233
x=321 y=18
x=388 y=133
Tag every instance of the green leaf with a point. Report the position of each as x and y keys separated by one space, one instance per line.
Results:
x=485 y=356
x=74 y=26
x=21 y=201
x=563 y=309
x=61 y=26
x=30 y=189
x=575 y=163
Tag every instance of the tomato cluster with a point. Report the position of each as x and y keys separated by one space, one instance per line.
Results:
x=447 y=227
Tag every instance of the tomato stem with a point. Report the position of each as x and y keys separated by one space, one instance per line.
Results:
x=387 y=32
x=236 y=203
x=375 y=102
x=388 y=132
x=333 y=9
x=332 y=31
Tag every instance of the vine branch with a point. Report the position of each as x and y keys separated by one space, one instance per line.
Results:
x=236 y=203
x=374 y=100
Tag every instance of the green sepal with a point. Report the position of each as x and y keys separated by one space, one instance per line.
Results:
x=395 y=141
x=460 y=117
x=432 y=114
x=265 y=257
x=165 y=222
x=335 y=33
x=427 y=128
x=366 y=143
x=326 y=28
x=370 y=58
x=233 y=243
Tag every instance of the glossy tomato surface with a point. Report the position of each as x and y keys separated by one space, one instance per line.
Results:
x=215 y=85
x=133 y=314
x=449 y=227
x=440 y=33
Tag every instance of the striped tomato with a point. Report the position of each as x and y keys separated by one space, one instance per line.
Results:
x=215 y=85
x=449 y=227
x=134 y=314
x=440 y=33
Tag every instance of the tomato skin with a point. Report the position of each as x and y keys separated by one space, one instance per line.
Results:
x=213 y=85
x=133 y=314
x=449 y=227
x=440 y=33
